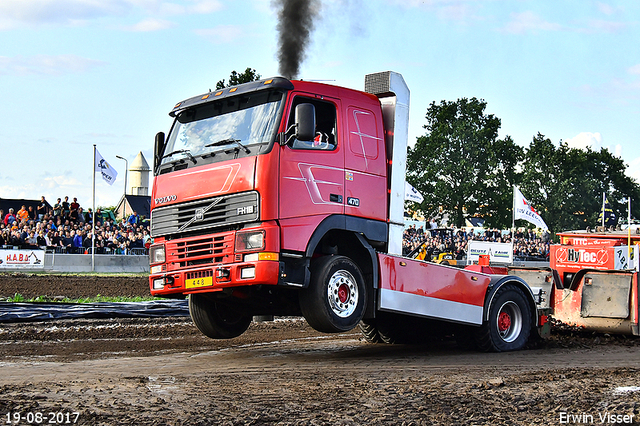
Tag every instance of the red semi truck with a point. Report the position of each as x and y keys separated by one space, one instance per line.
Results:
x=283 y=197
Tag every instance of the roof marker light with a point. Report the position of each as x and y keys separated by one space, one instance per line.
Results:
x=218 y=93
x=205 y=96
x=233 y=90
x=268 y=81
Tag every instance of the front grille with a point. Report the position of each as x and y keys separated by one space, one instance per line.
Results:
x=201 y=250
x=205 y=214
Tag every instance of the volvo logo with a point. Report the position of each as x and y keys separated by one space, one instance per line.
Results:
x=199 y=214
x=166 y=199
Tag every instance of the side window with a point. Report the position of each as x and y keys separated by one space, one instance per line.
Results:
x=363 y=133
x=325 y=138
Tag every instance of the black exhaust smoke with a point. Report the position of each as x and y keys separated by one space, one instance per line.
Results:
x=295 y=24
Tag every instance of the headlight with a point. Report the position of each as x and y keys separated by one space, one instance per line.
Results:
x=250 y=240
x=156 y=254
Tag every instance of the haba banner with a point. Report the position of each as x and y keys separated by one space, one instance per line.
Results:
x=16 y=259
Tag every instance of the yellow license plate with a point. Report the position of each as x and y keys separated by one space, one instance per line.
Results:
x=198 y=282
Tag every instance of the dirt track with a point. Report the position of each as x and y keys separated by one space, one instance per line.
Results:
x=162 y=371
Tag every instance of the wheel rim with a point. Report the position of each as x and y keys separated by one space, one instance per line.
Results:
x=509 y=321
x=343 y=293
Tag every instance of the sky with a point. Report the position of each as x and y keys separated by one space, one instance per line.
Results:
x=79 y=73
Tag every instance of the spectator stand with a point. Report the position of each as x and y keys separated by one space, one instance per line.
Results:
x=71 y=234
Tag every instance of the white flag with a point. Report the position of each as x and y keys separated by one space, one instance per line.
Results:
x=523 y=210
x=108 y=173
x=412 y=194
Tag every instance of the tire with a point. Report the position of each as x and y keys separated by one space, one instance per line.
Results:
x=336 y=297
x=370 y=331
x=216 y=320
x=509 y=324
x=387 y=328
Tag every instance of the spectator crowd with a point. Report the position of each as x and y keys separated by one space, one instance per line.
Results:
x=68 y=228
x=527 y=245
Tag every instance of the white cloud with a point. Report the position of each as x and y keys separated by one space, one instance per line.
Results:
x=529 y=22
x=585 y=140
x=15 y=14
x=634 y=70
x=591 y=140
x=602 y=26
x=634 y=169
x=450 y=10
x=204 y=7
x=221 y=34
x=46 y=64
x=66 y=12
x=607 y=9
x=150 y=24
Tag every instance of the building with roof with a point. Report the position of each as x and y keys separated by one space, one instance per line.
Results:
x=136 y=197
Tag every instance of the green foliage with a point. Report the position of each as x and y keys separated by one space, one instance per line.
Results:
x=98 y=298
x=460 y=166
x=17 y=298
x=462 y=169
x=567 y=183
x=238 y=78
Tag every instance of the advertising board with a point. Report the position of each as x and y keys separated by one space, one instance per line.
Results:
x=616 y=258
x=498 y=252
x=21 y=259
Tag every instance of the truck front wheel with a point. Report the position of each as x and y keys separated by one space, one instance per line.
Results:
x=335 y=299
x=216 y=320
x=509 y=324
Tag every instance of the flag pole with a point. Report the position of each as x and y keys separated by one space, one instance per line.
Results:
x=93 y=218
x=603 y=212
x=513 y=214
x=629 y=225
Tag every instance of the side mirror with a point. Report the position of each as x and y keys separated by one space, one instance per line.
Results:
x=305 y=122
x=158 y=148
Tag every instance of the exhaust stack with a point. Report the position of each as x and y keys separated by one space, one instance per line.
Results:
x=394 y=96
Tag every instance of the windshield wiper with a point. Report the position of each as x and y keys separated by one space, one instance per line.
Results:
x=228 y=141
x=181 y=151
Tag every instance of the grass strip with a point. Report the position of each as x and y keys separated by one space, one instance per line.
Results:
x=18 y=298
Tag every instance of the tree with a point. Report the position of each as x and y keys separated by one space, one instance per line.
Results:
x=566 y=184
x=497 y=209
x=235 y=78
x=550 y=182
x=460 y=166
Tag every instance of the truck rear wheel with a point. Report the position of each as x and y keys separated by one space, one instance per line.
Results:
x=335 y=299
x=216 y=320
x=509 y=324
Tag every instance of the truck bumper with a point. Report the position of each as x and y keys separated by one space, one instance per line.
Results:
x=215 y=278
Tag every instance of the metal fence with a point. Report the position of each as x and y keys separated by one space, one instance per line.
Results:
x=100 y=250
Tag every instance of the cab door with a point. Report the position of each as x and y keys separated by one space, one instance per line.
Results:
x=312 y=172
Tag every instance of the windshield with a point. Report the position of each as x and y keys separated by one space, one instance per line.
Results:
x=241 y=125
